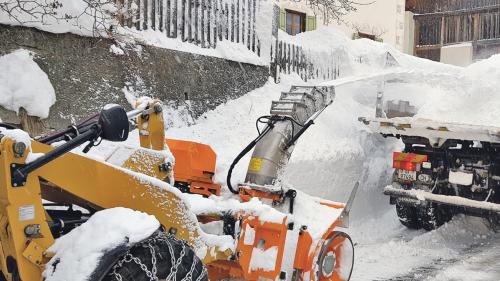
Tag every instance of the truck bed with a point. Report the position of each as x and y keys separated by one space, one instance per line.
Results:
x=436 y=132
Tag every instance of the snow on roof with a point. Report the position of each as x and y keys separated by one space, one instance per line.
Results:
x=408 y=126
x=24 y=84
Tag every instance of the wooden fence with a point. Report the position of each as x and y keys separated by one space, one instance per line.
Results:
x=433 y=6
x=201 y=22
x=287 y=58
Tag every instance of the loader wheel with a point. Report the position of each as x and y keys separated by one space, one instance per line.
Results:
x=434 y=216
x=408 y=215
x=160 y=257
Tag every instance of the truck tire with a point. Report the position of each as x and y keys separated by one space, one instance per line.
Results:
x=494 y=220
x=434 y=215
x=408 y=215
x=160 y=257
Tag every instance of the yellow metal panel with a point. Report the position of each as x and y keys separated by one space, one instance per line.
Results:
x=255 y=165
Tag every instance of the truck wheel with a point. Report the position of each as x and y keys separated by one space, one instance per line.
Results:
x=408 y=215
x=434 y=216
x=160 y=257
x=494 y=220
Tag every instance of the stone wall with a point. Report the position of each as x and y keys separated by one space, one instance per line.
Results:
x=86 y=75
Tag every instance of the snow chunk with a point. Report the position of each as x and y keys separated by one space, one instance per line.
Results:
x=17 y=135
x=249 y=235
x=24 y=84
x=116 y=50
x=264 y=259
x=78 y=252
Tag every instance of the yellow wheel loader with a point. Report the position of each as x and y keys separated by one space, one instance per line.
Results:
x=267 y=231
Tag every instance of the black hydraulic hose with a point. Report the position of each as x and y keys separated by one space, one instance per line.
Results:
x=71 y=131
x=8 y=126
x=21 y=174
x=243 y=153
x=299 y=134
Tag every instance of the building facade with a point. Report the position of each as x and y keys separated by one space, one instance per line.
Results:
x=382 y=20
x=452 y=31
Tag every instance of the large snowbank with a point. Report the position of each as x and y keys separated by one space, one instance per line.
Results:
x=24 y=84
x=78 y=253
x=224 y=49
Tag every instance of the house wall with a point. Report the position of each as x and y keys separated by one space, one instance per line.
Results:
x=443 y=23
x=409 y=34
x=386 y=16
x=460 y=54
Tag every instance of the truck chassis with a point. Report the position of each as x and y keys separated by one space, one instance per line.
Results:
x=443 y=170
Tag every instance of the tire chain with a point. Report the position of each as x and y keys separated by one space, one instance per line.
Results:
x=152 y=274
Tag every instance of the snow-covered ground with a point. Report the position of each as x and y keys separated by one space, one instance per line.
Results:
x=338 y=151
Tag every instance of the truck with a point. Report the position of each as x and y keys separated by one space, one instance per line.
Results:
x=444 y=169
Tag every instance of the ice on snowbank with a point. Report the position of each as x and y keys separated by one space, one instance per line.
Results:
x=24 y=84
x=78 y=253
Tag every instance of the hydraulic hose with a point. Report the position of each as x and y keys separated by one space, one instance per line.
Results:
x=249 y=147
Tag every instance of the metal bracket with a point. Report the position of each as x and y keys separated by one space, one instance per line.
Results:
x=34 y=253
x=17 y=178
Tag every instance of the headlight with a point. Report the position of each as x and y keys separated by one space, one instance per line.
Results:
x=329 y=263
x=335 y=258
x=424 y=178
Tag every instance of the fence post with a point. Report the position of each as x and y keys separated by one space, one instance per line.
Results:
x=167 y=17
x=227 y=21
x=209 y=24
x=249 y=22
x=173 y=12
x=253 y=25
x=232 y=22
x=196 y=21
x=202 y=22
x=238 y=21
x=189 y=21
x=243 y=19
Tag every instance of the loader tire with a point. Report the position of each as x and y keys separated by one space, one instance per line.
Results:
x=408 y=215
x=160 y=257
x=434 y=216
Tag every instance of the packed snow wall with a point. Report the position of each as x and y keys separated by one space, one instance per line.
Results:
x=88 y=73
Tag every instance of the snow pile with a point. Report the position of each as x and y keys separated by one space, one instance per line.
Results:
x=224 y=49
x=24 y=84
x=78 y=253
x=18 y=135
x=264 y=259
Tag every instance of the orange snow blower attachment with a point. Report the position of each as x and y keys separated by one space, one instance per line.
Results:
x=194 y=167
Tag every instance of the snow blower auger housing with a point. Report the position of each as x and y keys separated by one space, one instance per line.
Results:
x=298 y=250
x=444 y=169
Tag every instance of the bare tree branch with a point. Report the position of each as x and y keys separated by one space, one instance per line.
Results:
x=334 y=10
x=26 y=12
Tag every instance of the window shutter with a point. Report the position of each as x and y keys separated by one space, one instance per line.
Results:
x=311 y=23
x=282 y=20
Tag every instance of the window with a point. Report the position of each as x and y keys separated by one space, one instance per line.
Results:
x=295 y=22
